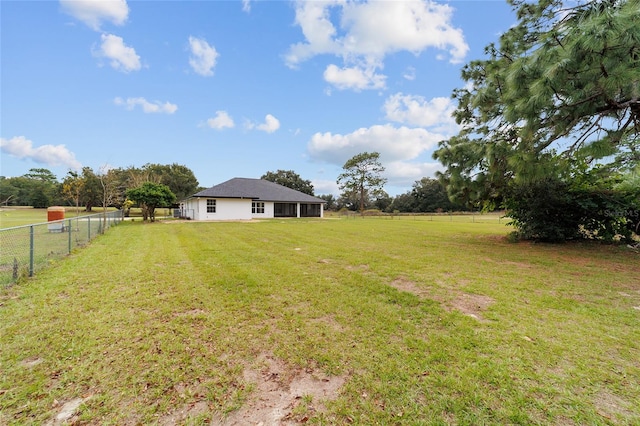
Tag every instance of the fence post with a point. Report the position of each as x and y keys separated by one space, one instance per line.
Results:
x=31 y=251
x=69 y=230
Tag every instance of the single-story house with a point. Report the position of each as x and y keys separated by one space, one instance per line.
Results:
x=244 y=199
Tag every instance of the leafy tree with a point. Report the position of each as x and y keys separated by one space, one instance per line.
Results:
x=560 y=91
x=149 y=196
x=290 y=179
x=91 y=189
x=383 y=201
x=16 y=190
x=404 y=203
x=361 y=176
x=180 y=179
x=39 y=198
x=72 y=188
x=630 y=184
x=430 y=196
x=8 y=191
x=349 y=200
x=42 y=188
x=42 y=175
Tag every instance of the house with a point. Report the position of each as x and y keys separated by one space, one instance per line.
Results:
x=244 y=199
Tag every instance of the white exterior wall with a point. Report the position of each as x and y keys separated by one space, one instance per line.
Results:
x=231 y=209
x=226 y=209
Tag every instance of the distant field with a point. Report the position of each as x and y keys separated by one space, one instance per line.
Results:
x=336 y=321
x=19 y=216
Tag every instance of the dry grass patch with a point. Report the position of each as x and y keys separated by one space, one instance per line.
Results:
x=471 y=305
x=612 y=407
x=282 y=395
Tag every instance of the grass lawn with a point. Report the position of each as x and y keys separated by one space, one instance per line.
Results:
x=20 y=216
x=335 y=321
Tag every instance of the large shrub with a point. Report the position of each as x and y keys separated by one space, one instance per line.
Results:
x=554 y=210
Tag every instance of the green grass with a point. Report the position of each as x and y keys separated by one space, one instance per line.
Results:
x=153 y=317
x=20 y=216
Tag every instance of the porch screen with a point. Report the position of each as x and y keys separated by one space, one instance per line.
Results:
x=285 y=210
x=309 y=210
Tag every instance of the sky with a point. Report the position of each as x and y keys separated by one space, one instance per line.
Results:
x=236 y=88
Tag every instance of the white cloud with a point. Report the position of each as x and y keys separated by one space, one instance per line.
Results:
x=148 y=107
x=50 y=155
x=354 y=78
x=220 y=121
x=321 y=186
x=410 y=74
x=270 y=125
x=123 y=58
x=203 y=56
x=368 y=31
x=381 y=27
x=246 y=6
x=418 y=111
x=313 y=19
x=93 y=12
x=393 y=143
x=405 y=173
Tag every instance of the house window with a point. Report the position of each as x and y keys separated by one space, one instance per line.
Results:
x=257 y=207
x=211 y=206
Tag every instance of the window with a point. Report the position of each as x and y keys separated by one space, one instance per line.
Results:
x=211 y=206
x=257 y=207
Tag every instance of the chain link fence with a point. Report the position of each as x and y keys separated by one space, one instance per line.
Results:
x=24 y=250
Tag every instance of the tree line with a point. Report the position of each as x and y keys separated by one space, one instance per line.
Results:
x=362 y=189
x=88 y=189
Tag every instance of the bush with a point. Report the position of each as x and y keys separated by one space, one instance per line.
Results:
x=553 y=210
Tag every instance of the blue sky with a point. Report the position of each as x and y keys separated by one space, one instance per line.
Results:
x=235 y=88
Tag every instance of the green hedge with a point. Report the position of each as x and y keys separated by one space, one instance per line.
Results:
x=553 y=210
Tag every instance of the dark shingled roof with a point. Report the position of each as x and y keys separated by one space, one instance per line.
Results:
x=257 y=189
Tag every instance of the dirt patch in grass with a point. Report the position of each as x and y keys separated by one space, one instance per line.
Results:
x=281 y=395
x=329 y=321
x=67 y=412
x=31 y=362
x=472 y=304
x=611 y=406
x=404 y=284
x=469 y=304
x=357 y=268
x=184 y=413
x=190 y=313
